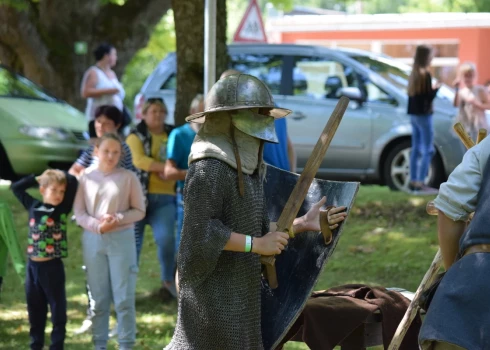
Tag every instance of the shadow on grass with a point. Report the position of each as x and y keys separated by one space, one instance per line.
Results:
x=155 y=324
x=388 y=240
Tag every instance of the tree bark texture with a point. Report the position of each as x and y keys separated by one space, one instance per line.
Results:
x=38 y=39
x=189 y=30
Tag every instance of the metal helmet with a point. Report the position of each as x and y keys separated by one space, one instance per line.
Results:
x=257 y=125
x=238 y=91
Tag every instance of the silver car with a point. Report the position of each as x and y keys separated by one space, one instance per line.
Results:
x=372 y=143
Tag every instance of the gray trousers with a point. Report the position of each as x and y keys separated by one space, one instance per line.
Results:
x=112 y=269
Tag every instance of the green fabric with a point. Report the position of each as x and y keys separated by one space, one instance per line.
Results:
x=439 y=345
x=9 y=243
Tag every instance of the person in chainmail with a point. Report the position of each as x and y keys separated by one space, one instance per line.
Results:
x=226 y=225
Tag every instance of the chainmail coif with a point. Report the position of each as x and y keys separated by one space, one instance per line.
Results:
x=219 y=299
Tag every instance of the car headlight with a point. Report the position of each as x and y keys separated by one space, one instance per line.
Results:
x=41 y=132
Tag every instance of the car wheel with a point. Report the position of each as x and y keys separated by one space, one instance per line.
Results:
x=396 y=168
x=6 y=171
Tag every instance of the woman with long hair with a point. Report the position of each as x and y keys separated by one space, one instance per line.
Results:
x=421 y=93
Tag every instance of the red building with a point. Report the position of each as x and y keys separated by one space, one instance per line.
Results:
x=456 y=37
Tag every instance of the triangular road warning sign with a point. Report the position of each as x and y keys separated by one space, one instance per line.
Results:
x=251 y=28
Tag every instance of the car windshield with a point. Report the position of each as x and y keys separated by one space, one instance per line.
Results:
x=14 y=85
x=396 y=73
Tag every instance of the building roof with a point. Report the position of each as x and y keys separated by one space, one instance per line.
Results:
x=345 y=22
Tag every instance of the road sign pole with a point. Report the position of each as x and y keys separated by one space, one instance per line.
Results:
x=209 y=44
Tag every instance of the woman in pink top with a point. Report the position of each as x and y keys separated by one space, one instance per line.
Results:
x=108 y=203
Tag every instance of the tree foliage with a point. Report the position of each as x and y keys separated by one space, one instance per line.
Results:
x=280 y=4
x=383 y=6
x=144 y=62
x=37 y=37
x=446 y=6
x=395 y=6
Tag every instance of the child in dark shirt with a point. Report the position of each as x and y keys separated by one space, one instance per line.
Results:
x=47 y=245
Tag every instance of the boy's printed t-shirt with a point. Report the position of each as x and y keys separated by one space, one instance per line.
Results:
x=179 y=148
x=88 y=158
x=47 y=223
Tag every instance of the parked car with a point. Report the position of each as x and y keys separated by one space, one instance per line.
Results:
x=37 y=131
x=372 y=143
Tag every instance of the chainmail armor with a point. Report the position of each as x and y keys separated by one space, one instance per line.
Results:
x=219 y=299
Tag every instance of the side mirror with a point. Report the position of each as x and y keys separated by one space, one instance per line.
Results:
x=352 y=93
x=333 y=83
x=332 y=86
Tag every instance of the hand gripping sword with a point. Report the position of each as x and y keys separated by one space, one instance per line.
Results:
x=300 y=191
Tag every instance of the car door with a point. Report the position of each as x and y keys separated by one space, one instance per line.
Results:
x=387 y=113
x=317 y=84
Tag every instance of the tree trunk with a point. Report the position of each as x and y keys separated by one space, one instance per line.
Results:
x=189 y=29
x=38 y=40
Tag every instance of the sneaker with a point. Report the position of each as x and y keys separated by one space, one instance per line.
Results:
x=171 y=288
x=113 y=332
x=164 y=295
x=413 y=187
x=428 y=190
x=86 y=326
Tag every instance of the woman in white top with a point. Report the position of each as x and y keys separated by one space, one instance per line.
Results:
x=100 y=85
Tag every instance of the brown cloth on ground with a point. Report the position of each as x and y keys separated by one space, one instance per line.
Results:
x=331 y=315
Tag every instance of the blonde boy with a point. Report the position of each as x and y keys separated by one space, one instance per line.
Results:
x=47 y=245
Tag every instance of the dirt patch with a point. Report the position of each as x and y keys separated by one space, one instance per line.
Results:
x=392 y=213
x=362 y=249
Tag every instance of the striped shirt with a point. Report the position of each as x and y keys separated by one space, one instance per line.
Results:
x=88 y=158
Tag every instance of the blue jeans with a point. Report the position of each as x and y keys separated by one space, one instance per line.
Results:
x=111 y=274
x=180 y=220
x=422 y=146
x=160 y=215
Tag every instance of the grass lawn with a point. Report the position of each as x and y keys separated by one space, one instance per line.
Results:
x=389 y=240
